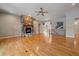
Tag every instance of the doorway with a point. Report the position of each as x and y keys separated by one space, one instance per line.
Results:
x=76 y=27
x=76 y=41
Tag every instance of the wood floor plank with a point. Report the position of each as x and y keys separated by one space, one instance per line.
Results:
x=39 y=45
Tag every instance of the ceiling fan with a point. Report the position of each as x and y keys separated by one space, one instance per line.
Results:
x=41 y=12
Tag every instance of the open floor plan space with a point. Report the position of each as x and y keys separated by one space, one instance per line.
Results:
x=39 y=29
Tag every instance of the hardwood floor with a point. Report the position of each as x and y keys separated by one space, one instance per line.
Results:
x=39 y=45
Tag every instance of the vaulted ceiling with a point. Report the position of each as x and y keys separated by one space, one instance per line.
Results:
x=54 y=9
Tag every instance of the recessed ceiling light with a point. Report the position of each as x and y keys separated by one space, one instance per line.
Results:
x=73 y=4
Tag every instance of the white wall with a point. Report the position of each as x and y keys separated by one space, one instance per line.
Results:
x=10 y=25
x=41 y=27
x=35 y=27
x=77 y=26
x=70 y=19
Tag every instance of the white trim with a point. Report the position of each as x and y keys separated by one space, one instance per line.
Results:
x=70 y=36
x=9 y=36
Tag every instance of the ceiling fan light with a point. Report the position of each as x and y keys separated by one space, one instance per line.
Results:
x=41 y=12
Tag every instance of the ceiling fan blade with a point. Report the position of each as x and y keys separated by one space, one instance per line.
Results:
x=36 y=11
x=46 y=12
x=37 y=14
x=42 y=14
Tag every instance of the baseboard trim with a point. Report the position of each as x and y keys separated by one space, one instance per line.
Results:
x=9 y=36
x=70 y=38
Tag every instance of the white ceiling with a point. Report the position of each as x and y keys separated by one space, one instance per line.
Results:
x=54 y=9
